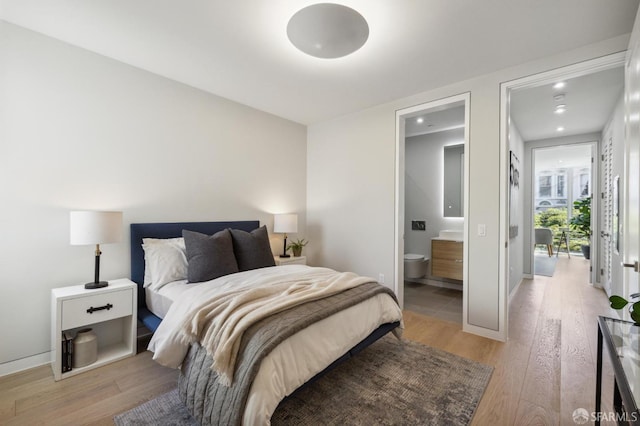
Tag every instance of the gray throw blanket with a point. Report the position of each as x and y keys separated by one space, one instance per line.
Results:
x=211 y=403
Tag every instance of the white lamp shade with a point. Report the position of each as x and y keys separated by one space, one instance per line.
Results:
x=90 y=227
x=284 y=223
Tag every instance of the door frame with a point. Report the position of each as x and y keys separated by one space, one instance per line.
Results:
x=401 y=116
x=570 y=71
x=630 y=196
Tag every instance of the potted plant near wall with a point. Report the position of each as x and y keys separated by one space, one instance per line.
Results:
x=296 y=246
x=581 y=223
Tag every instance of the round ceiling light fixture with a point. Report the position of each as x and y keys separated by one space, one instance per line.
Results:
x=327 y=30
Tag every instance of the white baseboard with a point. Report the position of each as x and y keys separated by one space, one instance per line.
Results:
x=27 y=363
x=515 y=289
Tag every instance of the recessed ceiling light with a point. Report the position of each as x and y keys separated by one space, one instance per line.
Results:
x=420 y=120
x=560 y=129
x=560 y=109
x=559 y=85
x=327 y=30
x=559 y=97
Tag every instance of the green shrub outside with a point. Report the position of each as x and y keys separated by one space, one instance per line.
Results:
x=556 y=219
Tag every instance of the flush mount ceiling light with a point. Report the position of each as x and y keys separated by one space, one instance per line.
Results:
x=327 y=30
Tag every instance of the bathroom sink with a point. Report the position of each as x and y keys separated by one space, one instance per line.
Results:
x=450 y=234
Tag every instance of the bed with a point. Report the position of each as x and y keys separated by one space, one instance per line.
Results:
x=331 y=329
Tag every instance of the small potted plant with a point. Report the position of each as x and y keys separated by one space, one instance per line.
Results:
x=581 y=222
x=296 y=246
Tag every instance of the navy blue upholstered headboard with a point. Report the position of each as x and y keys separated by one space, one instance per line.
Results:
x=168 y=230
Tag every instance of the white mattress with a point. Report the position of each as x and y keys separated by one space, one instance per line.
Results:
x=159 y=301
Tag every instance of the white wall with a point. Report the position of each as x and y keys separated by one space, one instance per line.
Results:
x=80 y=131
x=516 y=249
x=424 y=188
x=350 y=183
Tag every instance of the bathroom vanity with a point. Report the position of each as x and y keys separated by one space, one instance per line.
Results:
x=447 y=257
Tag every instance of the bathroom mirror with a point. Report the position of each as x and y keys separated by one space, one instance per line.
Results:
x=453 y=172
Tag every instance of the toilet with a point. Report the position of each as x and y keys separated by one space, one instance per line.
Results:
x=415 y=265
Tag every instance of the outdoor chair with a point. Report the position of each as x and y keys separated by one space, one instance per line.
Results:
x=544 y=236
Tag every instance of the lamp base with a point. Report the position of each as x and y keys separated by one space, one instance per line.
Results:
x=94 y=285
x=285 y=255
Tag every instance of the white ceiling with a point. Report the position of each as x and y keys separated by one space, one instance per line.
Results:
x=566 y=156
x=238 y=49
x=589 y=101
x=448 y=117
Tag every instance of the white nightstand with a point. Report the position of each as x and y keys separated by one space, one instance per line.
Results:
x=300 y=260
x=110 y=311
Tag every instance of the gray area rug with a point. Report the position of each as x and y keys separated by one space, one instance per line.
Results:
x=544 y=265
x=389 y=383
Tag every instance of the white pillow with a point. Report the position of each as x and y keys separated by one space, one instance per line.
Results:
x=165 y=261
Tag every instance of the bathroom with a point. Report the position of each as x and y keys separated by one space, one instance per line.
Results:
x=434 y=211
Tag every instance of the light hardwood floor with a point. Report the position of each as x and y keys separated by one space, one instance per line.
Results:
x=541 y=375
x=547 y=368
x=435 y=302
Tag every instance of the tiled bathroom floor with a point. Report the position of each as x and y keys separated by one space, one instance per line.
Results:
x=442 y=303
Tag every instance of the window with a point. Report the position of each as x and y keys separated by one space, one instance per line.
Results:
x=552 y=184
x=544 y=186
x=560 y=186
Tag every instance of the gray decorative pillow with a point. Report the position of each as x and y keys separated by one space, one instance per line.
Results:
x=209 y=256
x=252 y=249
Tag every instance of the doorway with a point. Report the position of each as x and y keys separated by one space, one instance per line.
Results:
x=562 y=178
x=433 y=207
x=558 y=103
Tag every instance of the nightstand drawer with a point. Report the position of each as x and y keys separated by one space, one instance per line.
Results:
x=78 y=312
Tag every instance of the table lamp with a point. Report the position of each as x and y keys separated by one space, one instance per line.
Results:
x=92 y=227
x=283 y=223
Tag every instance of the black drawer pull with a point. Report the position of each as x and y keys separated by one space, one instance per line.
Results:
x=99 y=308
